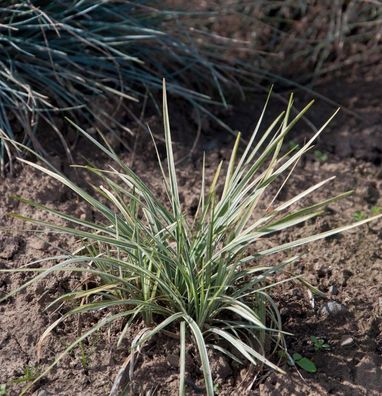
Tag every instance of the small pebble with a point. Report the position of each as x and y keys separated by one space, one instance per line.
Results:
x=332 y=308
x=347 y=341
x=38 y=244
x=43 y=392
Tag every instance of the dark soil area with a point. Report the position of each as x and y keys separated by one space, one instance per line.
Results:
x=346 y=268
x=356 y=131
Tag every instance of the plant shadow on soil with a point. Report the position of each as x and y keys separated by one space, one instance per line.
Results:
x=347 y=268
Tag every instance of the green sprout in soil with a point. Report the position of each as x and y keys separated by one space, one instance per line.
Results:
x=203 y=279
x=319 y=344
x=305 y=363
x=83 y=357
x=29 y=375
x=320 y=156
x=293 y=145
x=3 y=389
x=359 y=215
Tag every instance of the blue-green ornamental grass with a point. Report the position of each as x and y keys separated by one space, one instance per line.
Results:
x=70 y=57
x=57 y=58
x=197 y=277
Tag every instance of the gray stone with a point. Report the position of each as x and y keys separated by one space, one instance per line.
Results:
x=333 y=308
x=42 y=392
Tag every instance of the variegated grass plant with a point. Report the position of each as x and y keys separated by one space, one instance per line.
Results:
x=195 y=277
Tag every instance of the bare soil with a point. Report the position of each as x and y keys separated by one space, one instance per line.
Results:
x=347 y=268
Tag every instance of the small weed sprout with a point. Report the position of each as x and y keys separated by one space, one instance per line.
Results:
x=359 y=215
x=319 y=344
x=320 y=156
x=83 y=357
x=196 y=278
x=305 y=363
x=30 y=373
x=293 y=145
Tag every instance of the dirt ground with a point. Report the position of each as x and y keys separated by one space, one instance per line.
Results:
x=347 y=268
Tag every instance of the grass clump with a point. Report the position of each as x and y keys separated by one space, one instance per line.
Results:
x=194 y=277
x=304 y=41
x=72 y=58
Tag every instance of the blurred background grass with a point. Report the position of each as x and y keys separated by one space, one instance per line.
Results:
x=87 y=60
